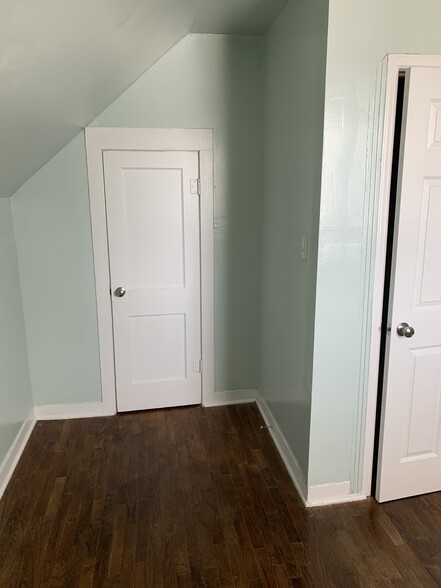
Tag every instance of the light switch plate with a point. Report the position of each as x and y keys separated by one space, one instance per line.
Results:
x=304 y=254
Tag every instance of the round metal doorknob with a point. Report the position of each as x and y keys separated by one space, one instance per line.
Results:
x=120 y=292
x=405 y=330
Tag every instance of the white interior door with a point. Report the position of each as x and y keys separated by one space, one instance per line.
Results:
x=154 y=249
x=409 y=452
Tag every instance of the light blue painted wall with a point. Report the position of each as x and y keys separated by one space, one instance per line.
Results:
x=294 y=86
x=15 y=386
x=206 y=81
x=360 y=35
x=214 y=81
x=52 y=225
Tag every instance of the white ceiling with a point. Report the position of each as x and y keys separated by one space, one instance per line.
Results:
x=63 y=61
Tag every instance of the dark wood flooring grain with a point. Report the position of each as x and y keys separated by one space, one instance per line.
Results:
x=195 y=497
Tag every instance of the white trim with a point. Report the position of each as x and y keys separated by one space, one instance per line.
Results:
x=148 y=139
x=101 y=139
x=54 y=412
x=375 y=136
x=393 y=64
x=48 y=412
x=206 y=164
x=232 y=397
x=283 y=448
x=332 y=494
x=18 y=446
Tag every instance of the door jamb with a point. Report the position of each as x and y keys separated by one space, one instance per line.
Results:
x=385 y=133
x=99 y=139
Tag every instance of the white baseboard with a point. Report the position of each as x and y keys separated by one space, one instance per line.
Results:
x=49 y=412
x=283 y=448
x=338 y=493
x=232 y=397
x=12 y=457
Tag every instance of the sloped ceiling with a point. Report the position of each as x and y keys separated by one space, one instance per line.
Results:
x=63 y=61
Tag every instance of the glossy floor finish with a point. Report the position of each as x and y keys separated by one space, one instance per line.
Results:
x=195 y=497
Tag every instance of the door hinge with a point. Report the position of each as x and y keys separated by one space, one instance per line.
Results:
x=195 y=186
x=197 y=366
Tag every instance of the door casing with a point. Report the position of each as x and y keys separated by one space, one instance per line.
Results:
x=382 y=140
x=132 y=139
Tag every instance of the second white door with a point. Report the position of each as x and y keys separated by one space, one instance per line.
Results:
x=410 y=443
x=154 y=247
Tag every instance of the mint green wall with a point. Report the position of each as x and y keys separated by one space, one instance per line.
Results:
x=294 y=84
x=15 y=387
x=52 y=224
x=360 y=35
x=206 y=81
x=214 y=81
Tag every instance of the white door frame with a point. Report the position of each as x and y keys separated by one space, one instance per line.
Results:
x=384 y=134
x=104 y=139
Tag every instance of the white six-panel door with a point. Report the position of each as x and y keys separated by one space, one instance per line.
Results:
x=410 y=442
x=154 y=249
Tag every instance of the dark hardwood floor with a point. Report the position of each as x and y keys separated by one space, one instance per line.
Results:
x=195 y=497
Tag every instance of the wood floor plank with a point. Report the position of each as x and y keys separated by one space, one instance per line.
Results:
x=191 y=497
